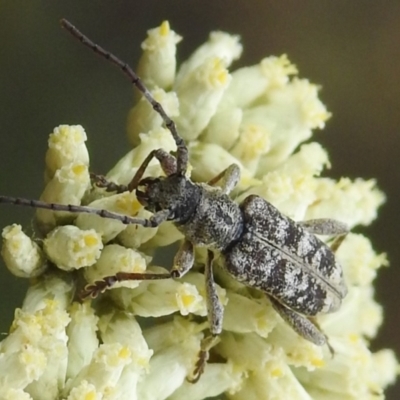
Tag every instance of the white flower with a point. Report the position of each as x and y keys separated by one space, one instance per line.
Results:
x=22 y=256
x=82 y=337
x=72 y=248
x=157 y=65
x=66 y=146
x=34 y=355
x=67 y=186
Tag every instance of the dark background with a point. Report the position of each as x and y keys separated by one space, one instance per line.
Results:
x=351 y=48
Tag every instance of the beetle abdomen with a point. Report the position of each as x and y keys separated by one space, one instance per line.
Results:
x=280 y=257
x=259 y=265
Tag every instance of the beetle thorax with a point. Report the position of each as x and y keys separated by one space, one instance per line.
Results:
x=216 y=222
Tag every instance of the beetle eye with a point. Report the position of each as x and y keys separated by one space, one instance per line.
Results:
x=142 y=197
x=157 y=207
x=148 y=181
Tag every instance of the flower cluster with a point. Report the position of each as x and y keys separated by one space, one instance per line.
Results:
x=119 y=347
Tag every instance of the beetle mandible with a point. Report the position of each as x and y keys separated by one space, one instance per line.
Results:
x=259 y=246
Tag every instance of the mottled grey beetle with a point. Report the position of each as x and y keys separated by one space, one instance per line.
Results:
x=259 y=246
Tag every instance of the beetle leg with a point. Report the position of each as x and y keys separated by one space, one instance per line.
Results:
x=215 y=316
x=314 y=321
x=182 y=263
x=183 y=259
x=102 y=182
x=92 y=290
x=305 y=327
x=167 y=162
x=327 y=226
x=324 y=226
x=337 y=242
x=229 y=178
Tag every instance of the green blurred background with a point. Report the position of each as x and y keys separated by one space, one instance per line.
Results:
x=351 y=48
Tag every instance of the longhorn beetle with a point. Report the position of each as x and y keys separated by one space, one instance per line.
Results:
x=258 y=245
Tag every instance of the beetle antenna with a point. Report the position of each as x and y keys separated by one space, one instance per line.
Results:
x=125 y=219
x=182 y=152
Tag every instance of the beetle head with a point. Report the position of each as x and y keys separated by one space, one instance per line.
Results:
x=175 y=193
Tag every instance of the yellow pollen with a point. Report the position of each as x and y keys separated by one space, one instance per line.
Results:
x=16 y=245
x=164 y=28
x=91 y=240
x=187 y=299
x=77 y=137
x=27 y=358
x=90 y=396
x=222 y=76
x=124 y=352
x=318 y=362
x=124 y=260
x=221 y=73
x=136 y=205
x=77 y=247
x=276 y=373
x=79 y=169
x=353 y=337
